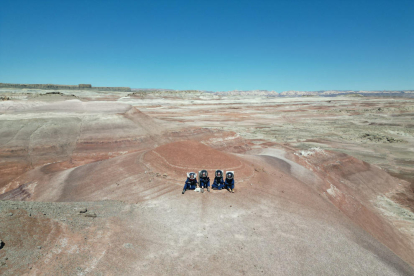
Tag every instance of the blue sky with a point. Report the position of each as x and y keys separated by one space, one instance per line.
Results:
x=210 y=45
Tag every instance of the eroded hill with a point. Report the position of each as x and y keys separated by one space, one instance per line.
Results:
x=94 y=187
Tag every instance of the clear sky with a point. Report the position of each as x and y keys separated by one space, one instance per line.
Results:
x=210 y=45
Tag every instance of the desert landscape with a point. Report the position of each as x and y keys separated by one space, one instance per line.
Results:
x=91 y=181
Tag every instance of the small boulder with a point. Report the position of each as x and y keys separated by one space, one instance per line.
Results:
x=83 y=210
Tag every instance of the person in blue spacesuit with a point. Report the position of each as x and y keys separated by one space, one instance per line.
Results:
x=218 y=180
x=204 y=180
x=229 y=182
x=191 y=182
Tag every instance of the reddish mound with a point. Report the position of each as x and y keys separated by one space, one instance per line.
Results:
x=125 y=177
x=273 y=217
x=184 y=156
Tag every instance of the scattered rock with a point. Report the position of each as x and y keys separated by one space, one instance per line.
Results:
x=10 y=214
x=1 y=244
x=39 y=247
x=378 y=138
x=90 y=215
x=158 y=174
x=83 y=210
x=165 y=175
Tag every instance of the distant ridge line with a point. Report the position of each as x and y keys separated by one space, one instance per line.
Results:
x=63 y=87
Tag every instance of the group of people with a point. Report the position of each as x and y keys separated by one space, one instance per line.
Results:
x=218 y=184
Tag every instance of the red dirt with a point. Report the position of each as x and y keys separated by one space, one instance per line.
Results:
x=184 y=156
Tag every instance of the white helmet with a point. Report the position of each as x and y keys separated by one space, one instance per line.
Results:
x=191 y=175
x=229 y=175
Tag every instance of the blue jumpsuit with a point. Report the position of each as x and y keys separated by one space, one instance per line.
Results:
x=218 y=183
x=204 y=182
x=190 y=184
x=229 y=183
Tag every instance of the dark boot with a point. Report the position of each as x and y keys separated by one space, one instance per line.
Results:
x=183 y=191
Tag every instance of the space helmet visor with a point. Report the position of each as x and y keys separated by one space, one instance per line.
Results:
x=204 y=173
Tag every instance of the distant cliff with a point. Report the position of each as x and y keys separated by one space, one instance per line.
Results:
x=63 y=87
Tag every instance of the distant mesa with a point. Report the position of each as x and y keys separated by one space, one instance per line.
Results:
x=85 y=86
x=63 y=87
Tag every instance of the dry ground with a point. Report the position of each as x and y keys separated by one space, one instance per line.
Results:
x=90 y=184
